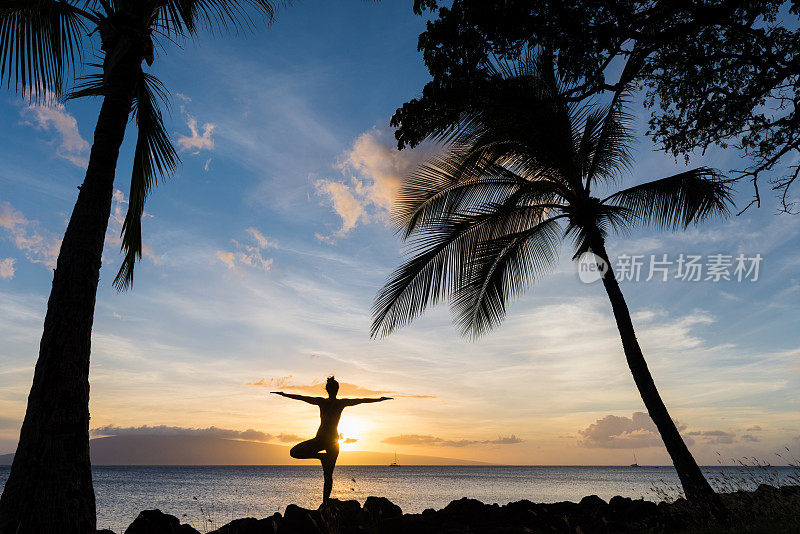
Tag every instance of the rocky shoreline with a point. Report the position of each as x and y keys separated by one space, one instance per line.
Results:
x=767 y=509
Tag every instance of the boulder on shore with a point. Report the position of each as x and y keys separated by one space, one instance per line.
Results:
x=157 y=522
x=251 y=525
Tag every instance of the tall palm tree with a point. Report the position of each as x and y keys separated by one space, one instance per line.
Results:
x=42 y=42
x=518 y=175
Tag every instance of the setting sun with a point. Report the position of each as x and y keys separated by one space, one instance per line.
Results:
x=351 y=430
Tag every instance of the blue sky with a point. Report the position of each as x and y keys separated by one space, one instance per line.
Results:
x=265 y=250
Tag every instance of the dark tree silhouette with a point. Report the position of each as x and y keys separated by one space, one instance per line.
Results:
x=42 y=42
x=520 y=173
x=715 y=72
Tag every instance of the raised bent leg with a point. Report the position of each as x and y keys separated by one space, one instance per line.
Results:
x=307 y=450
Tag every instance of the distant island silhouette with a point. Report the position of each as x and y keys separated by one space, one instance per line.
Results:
x=160 y=449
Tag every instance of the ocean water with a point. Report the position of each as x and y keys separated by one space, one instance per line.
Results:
x=207 y=497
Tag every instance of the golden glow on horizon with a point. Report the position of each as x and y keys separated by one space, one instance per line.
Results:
x=351 y=427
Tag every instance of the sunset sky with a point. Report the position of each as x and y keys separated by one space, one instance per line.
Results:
x=264 y=252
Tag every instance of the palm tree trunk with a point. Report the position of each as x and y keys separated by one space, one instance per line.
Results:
x=49 y=488
x=694 y=484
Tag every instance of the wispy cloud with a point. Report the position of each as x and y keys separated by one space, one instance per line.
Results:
x=287 y=383
x=434 y=441
x=195 y=142
x=372 y=172
x=7 y=268
x=39 y=246
x=246 y=255
x=49 y=115
x=261 y=240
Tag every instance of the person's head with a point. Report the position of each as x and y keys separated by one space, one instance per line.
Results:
x=332 y=387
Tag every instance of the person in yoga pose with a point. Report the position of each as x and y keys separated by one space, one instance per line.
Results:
x=325 y=445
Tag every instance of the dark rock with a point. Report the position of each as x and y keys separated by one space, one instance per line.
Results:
x=789 y=491
x=621 y=515
x=564 y=508
x=250 y=525
x=465 y=511
x=637 y=511
x=470 y=514
x=157 y=522
x=618 y=502
x=346 y=512
x=592 y=502
x=380 y=508
x=765 y=491
x=298 y=520
x=523 y=514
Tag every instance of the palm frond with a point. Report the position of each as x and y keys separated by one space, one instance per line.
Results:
x=501 y=268
x=612 y=154
x=677 y=201
x=154 y=157
x=512 y=116
x=516 y=128
x=40 y=43
x=428 y=276
x=439 y=256
x=88 y=85
x=586 y=138
x=445 y=185
x=187 y=17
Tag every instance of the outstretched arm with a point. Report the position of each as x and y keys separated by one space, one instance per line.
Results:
x=353 y=402
x=304 y=398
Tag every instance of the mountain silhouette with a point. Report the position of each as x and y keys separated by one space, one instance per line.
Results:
x=204 y=450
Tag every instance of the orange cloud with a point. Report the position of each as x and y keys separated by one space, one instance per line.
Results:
x=372 y=172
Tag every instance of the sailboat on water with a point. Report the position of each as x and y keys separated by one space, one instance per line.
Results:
x=394 y=462
x=635 y=461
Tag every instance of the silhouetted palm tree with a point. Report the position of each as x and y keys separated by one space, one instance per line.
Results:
x=49 y=488
x=519 y=175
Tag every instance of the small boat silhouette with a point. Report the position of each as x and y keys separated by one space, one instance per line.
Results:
x=634 y=464
x=394 y=462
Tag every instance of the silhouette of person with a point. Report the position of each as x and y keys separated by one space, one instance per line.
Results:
x=327 y=438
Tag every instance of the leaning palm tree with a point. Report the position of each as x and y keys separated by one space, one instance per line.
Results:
x=42 y=42
x=518 y=174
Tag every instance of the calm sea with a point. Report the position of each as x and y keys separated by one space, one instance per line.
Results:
x=208 y=497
